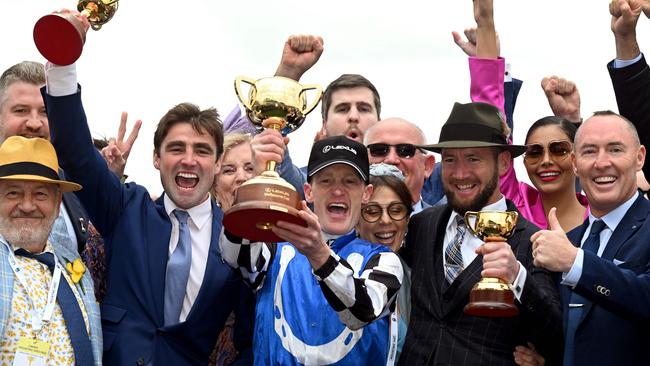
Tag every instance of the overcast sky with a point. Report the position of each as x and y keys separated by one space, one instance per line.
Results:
x=155 y=54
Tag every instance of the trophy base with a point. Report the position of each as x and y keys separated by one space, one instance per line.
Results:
x=260 y=203
x=491 y=297
x=59 y=37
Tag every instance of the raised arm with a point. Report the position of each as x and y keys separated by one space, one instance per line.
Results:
x=629 y=71
x=299 y=54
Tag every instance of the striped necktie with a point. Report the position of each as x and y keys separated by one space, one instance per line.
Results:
x=453 y=255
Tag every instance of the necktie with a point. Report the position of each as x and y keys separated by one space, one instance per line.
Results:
x=453 y=255
x=74 y=321
x=178 y=271
x=59 y=233
x=576 y=301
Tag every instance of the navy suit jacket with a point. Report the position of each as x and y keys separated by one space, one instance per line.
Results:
x=137 y=233
x=616 y=317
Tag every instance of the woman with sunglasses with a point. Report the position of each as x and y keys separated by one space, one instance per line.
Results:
x=549 y=141
x=384 y=220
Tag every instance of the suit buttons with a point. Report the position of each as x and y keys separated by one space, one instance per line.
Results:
x=602 y=290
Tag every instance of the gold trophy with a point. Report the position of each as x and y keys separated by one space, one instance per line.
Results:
x=60 y=37
x=491 y=296
x=281 y=104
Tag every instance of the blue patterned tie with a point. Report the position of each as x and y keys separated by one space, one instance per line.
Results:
x=178 y=271
x=60 y=235
x=453 y=255
x=74 y=321
x=575 y=312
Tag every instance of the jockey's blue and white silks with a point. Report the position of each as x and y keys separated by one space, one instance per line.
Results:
x=295 y=324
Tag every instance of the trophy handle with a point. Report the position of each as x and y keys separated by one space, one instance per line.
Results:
x=314 y=103
x=468 y=215
x=240 y=95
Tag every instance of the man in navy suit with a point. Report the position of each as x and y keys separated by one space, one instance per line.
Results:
x=168 y=290
x=605 y=263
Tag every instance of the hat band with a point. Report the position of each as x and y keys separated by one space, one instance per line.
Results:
x=28 y=168
x=471 y=132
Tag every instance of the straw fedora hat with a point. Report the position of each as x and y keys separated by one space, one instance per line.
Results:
x=474 y=125
x=31 y=159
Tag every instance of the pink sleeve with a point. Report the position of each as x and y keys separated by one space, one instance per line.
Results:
x=487 y=81
x=486 y=75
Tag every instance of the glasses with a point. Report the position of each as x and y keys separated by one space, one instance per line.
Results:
x=372 y=212
x=405 y=151
x=558 y=150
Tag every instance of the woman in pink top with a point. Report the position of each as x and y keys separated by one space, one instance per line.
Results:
x=547 y=160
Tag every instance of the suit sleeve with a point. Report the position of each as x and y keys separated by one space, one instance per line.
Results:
x=102 y=194
x=632 y=90
x=540 y=306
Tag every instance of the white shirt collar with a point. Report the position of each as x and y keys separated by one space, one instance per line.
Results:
x=614 y=217
x=200 y=214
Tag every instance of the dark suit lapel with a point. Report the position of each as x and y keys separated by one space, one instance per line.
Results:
x=158 y=235
x=630 y=223
x=458 y=292
x=436 y=232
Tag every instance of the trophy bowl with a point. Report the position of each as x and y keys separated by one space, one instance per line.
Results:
x=60 y=36
x=281 y=104
x=491 y=297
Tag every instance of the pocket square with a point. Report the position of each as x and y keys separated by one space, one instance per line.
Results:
x=617 y=262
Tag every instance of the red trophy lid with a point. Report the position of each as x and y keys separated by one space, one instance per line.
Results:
x=59 y=38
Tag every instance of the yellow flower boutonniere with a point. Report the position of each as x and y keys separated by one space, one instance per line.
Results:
x=76 y=270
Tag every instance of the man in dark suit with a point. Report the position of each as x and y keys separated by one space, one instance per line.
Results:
x=604 y=264
x=169 y=291
x=446 y=260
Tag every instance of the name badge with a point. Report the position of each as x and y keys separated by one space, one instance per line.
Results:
x=31 y=352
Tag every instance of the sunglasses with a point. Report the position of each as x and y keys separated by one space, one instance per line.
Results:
x=380 y=150
x=372 y=212
x=558 y=150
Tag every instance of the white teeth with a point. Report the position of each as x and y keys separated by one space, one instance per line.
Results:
x=385 y=235
x=607 y=179
x=549 y=174
x=464 y=187
x=187 y=175
x=340 y=206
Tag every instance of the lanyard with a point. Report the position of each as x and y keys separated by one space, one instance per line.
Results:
x=38 y=320
x=393 y=339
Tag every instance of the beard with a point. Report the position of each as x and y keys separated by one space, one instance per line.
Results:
x=27 y=235
x=477 y=203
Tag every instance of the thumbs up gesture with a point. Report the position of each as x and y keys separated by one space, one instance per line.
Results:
x=551 y=248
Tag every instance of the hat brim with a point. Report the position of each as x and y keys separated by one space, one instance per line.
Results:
x=64 y=186
x=515 y=150
x=330 y=163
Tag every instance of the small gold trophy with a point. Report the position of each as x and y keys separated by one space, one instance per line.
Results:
x=277 y=103
x=491 y=296
x=60 y=36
